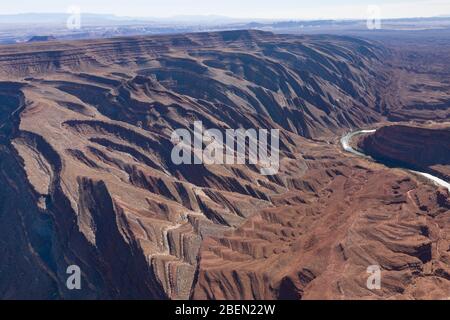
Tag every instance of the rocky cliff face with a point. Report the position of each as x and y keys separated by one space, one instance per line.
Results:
x=420 y=148
x=306 y=85
x=87 y=179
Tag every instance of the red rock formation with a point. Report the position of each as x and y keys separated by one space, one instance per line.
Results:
x=321 y=247
x=86 y=176
x=421 y=148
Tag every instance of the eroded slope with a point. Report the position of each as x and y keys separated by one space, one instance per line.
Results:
x=87 y=176
x=421 y=148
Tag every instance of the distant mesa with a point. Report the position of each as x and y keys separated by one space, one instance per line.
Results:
x=41 y=38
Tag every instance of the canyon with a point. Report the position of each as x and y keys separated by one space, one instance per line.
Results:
x=418 y=148
x=86 y=176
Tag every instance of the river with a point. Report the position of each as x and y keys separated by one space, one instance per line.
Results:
x=346 y=140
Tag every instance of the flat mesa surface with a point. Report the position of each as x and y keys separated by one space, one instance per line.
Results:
x=87 y=177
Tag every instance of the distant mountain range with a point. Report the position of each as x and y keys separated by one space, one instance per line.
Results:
x=102 y=19
x=22 y=27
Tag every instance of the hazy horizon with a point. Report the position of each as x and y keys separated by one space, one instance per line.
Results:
x=250 y=9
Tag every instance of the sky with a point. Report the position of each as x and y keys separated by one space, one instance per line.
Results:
x=262 y=9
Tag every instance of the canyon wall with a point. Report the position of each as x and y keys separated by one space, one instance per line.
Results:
x=420 y=148
x=87 y=178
